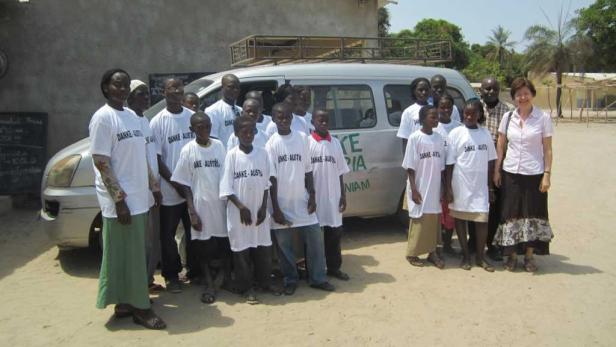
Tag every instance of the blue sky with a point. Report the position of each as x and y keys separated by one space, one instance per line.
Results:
x=478 y=17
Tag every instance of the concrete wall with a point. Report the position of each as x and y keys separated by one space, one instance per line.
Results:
x=58 y=49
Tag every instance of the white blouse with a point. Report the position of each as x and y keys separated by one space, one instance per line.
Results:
x=525 y=141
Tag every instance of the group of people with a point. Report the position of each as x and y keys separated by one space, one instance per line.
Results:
x=236 y=178
x=485 y=170
x=246 y=186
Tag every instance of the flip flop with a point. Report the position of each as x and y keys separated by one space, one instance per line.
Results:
x=251 y=297
x=208 y=296
x=149 y=320
x=465 y=265
x=436 y=261
x=485 y=265
x=529 y=265
x=511 y=263
x=415 y=261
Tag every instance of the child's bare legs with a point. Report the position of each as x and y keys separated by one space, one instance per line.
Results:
x=481 y=237
x=461 y=232
x=209 y=292
x=447 y=235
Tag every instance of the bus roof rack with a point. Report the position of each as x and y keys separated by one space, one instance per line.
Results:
x=266 y=49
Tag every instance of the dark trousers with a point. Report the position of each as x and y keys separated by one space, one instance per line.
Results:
x=494 y=218
x=333 y=250
x=252 y=264
x=170 y=217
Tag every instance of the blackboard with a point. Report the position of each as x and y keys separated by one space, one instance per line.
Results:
x=157 y=82
x=23 y=143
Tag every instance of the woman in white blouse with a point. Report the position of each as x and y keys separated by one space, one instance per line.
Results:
x=524 y=149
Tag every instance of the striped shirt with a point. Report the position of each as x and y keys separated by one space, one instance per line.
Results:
x=493 y=117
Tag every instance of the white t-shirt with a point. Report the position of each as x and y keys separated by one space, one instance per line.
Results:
x=308 y=118
x=290 y=157
x=328 y=164
x=298 y=124
x=525 y=144
x=425 y=154
x=222 y=116
x=201 y=169
x=119 y=136
x=152 y=150
x=455 y=114
x=470 y=150
x=171 y=132
x=246 y=176
x=259 y=140
x=409 y=122
x=262 y=126
x=445 y=129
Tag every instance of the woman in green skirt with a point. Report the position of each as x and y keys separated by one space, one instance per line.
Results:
x=123 y=182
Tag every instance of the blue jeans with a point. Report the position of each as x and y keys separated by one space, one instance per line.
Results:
x=312 y=237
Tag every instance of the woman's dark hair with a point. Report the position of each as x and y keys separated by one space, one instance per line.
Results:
x=106 y=79
x=283 y=92
x=479 y=107
x=520 y=83
x=446 y=97
x=423 y=112
x=414 y=84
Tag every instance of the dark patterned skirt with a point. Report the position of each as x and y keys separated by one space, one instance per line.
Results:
x=524 y=215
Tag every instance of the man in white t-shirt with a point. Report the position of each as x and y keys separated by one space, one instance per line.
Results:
x=263 y=120
x=199 y=171
x=303 y=104
x=439 y=88
x=246 y=184
x=171 y=130
x=293 y=202
x=328 y=166
x=224 y=111
x=251 y=108
x=139 y=101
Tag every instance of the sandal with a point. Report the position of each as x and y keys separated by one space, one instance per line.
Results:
x=251 y=297
x=208 y=296
x=485 y=265
x=511 y=263
x=465 y=264
x=436 y=260
x=155 y=288
x=415 y=261
x=529 y=265
x=148 y=319
x=122 y=310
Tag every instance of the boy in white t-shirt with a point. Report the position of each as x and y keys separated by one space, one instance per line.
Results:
x=288 y=94
x=264 y=120
x=424 y=161
x=171 y=130
x=445 y=125
x=303 y=104
x=198 y=172
x=470 y=165
x=251 y=108
x=246 y=184
x=224 y=111
x=409 y=122
x=293 y=202
x=328 y=166
x=438 y=84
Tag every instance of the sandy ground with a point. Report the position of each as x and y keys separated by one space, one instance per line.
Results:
x=47 y=297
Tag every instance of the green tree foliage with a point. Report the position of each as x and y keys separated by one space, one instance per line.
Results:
x=383 y=20
x=500 y=46
x=598 y=23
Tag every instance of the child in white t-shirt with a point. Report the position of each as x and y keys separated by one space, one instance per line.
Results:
x=288 y=94
x=198 y=172
x=424 y=161
x=264 y=120
x=328 y=166
x=251 y=108
x=470 y=163
x=293 y=202
x=246 y=184
x=409 y=121
x=445 y=125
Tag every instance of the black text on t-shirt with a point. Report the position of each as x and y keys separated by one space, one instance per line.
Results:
x=323 y=159
x=289 y=157
x=206 y=163
x=247 y=173
x=426 y=155
x=128 y=134
x=471 y=148
x=180 y=136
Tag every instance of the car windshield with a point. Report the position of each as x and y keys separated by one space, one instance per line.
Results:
x=194 y=87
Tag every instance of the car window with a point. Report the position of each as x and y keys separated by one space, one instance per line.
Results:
x=349 y=106
x=267 y=89
x=210 y=98
x=397 y=99
x=458 y=98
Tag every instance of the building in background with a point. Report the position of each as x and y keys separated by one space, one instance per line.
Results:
x=58 y=50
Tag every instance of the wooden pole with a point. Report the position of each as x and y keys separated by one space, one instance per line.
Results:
x=570 y=105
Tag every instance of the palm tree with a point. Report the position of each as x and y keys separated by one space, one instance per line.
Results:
x=552 y=50
x=500 y=44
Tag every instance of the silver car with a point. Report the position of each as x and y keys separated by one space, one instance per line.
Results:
x=365 y=102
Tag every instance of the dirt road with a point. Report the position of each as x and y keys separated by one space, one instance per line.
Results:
x=47 y=297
